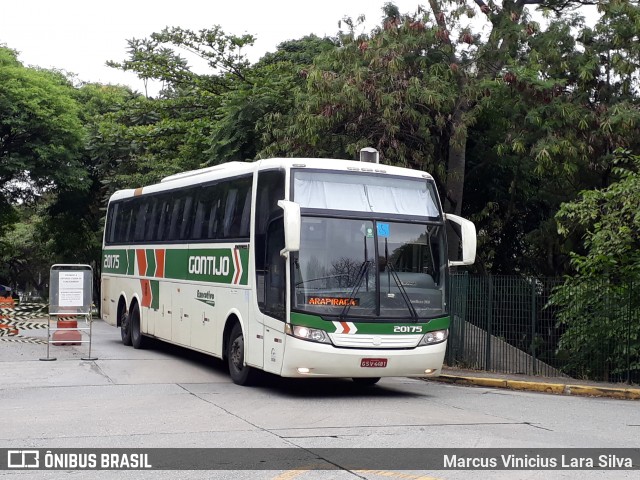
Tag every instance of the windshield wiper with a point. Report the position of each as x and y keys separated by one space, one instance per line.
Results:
x=403 y=292
x=396 y=278
x=364 y=268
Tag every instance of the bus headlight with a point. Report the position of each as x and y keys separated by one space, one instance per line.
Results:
x=307 y=333
x=437 y=336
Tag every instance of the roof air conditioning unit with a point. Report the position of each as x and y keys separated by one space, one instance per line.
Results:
x=369 y=155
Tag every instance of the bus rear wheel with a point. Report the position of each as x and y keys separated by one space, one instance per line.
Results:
x=240 y=373
x=125 y=329
x=365 y=381
x=137 y=339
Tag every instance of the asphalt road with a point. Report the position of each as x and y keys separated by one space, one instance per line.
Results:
x=166 y=396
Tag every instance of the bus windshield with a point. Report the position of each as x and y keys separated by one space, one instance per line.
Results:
x=361 y=192
x=348 y=268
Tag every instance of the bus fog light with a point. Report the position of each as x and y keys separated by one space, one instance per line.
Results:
x=303 y=370
x=437 y=336
x=429 y=371
x=307 y=333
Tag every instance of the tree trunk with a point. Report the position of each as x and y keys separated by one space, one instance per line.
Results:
x=456 y=164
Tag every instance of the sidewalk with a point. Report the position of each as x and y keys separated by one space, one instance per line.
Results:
x=558 y=385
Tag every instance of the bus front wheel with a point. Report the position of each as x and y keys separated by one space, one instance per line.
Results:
x=240 y=373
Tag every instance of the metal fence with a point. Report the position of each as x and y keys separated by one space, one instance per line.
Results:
x=508 y=324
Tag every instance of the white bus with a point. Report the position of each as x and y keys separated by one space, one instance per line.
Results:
x=299 y=267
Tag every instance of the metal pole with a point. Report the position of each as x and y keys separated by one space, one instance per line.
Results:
x=48 y=358
x=89 y=357
x=489 y=320
x=630 y=310
x=533 y=327
x=462 y=355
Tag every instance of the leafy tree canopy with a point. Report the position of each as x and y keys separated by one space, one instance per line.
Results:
x=610 y=223
x=41 y=134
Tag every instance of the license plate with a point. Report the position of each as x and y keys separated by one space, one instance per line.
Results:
x=373 y=362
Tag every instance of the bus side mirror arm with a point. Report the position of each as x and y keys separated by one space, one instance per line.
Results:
x=468 y=240
x=292 y=226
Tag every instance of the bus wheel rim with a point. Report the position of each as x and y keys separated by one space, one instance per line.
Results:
x=237 y=353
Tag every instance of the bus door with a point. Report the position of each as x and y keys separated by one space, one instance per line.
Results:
x=179 y=315
x=268 y=320
x=162 y=328
x=274 y=306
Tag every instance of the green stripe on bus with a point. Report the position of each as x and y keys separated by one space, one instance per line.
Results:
x=244 y=260
x=211 y=265
x=151 y=263
x=131 y=262
x=155 y=294
x=369 y=328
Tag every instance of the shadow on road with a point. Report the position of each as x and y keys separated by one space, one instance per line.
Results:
x=298 y=387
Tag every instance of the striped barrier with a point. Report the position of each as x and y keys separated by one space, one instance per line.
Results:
x=8 y=330
x=21 y=339
x=24 y=310
x=23 y=324
x=10 y=326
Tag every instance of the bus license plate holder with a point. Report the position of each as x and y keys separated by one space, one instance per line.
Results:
x=373 y=363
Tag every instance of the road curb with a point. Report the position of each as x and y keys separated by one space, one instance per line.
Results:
x=543 y=387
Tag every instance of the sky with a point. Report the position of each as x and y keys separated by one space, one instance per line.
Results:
x=79 y=36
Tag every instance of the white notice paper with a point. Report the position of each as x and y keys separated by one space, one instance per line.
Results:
x=70 y=289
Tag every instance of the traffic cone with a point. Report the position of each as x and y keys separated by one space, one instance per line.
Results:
x=7 y=302
x=7 y=329
x=66 y=337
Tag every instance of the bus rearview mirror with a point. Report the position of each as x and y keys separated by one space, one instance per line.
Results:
x=467 y=239
x=292 y=226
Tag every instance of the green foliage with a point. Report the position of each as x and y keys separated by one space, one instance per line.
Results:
x=206 y=118
x=8 y=216
x=68 y=227
x=40 y=132
x=241 y=129
x=41 y=139
x=549 y=122
x=374 y=90
x=611 y=224
x=600 y=300
x=25 y=253
x=179 y=130
x=158 y=57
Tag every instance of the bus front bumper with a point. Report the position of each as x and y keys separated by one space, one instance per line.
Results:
x=309 y=359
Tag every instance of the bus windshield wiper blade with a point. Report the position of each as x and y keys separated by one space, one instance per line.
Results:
x=364 y=268
x=403 y=292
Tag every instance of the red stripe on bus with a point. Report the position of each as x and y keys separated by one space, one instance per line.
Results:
x=160 y=253
x=141 y=257
x=147 y=296
x=236 y=261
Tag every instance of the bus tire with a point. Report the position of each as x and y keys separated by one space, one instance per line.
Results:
x=240 y=373
x=125 y=329
x=137 y=339
x=365 y=381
